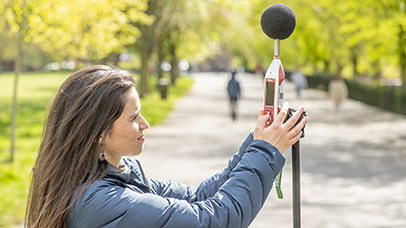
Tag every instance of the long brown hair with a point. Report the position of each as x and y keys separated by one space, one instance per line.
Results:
x=85 y=107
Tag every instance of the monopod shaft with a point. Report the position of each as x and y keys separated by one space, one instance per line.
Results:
x=296 y=183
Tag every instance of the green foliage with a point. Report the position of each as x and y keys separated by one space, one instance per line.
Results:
x=80 y=29
x=36 y=90
x=350 y=38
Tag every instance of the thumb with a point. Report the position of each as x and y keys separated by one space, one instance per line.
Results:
x=261 y=112
x=260 y=126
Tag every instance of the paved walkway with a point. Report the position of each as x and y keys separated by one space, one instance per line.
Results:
x=353 y=164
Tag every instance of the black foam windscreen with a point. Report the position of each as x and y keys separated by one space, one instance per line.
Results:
x=278 y=21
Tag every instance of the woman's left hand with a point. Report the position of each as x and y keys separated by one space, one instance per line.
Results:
x=279 y=134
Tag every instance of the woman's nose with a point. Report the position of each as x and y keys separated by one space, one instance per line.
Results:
x=144 y=124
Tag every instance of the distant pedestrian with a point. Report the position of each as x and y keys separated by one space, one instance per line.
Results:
x=234 y=93
x=259 y=70
x=338 y=91
x=299 y=78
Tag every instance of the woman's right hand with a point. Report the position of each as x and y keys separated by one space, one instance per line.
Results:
x=280 y=135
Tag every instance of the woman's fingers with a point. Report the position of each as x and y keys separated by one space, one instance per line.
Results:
x=292 y=134
x=282 y=114
x=297 y=130
x=259 y=127
x=293 y=120
x=295 y=138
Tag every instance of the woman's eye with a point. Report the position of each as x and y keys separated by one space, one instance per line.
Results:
x=136 y=116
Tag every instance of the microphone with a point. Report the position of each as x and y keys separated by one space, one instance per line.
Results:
x=278 y=21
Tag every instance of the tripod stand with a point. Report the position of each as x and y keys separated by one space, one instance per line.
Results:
x=296 y=184
x=296 y=179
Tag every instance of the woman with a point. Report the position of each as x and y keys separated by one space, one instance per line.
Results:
x=338 y=91
x=80 y=178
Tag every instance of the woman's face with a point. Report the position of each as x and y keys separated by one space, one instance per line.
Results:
x=126 y=138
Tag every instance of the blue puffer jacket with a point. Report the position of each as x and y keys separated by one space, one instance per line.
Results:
x=231 y=198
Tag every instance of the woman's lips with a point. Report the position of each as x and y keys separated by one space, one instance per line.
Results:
x=142 y=138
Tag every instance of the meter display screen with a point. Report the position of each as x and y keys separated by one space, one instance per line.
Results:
x=270 y=93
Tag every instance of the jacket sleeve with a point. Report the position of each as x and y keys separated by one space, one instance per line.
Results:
x=235 y=204
x=207 y=188
x=211 y=185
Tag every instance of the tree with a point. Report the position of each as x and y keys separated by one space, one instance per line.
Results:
x=175 y=21
x=191 y=29
x=146 y=42
x=17 y=15
x=88 y=30
x=396 y=13
x=200 y=29
x=2 y=36
x=337 y=37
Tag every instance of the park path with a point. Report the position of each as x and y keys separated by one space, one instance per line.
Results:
x=353 y=162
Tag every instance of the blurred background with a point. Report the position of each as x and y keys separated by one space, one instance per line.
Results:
x=43 y=41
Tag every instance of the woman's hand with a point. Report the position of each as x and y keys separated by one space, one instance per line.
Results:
x=280 y=135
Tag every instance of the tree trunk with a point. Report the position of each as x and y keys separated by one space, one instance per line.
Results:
x=327 y=66
x=146 y=46
x=339 y=69
x=174 y=62
x=145 y=43
x=2 y=47
x=377 y=72
x=14 y=111
x=161 y=57
x=144 y=73
x=402 y=55
x=111 y=59
x=354 y=60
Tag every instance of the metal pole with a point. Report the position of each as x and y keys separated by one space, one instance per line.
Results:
x=296 y=183
x=277 y=48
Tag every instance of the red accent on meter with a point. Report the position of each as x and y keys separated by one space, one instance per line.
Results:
x=281 y=74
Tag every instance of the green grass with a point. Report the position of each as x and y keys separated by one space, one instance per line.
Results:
x=36 y=90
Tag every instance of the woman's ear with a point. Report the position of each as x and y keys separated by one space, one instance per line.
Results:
x=101 y=138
